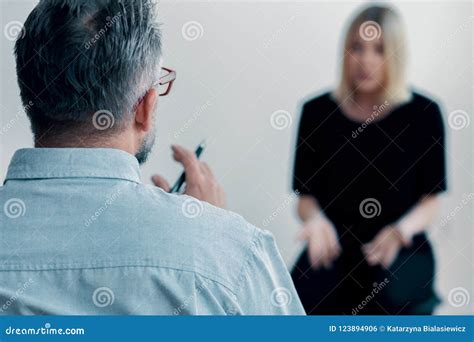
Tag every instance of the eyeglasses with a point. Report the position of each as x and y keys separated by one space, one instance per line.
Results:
x=165 y=82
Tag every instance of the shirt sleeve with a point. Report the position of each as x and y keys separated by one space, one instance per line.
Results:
x=306 y=156
x=265 y=286
x=431 y=167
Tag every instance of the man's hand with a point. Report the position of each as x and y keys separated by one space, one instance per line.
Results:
x=384 y=248
x=323 y=243
x=200 y=181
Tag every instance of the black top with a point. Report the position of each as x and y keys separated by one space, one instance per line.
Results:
x=366 y=176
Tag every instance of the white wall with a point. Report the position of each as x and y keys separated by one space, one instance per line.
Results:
x=254 y=58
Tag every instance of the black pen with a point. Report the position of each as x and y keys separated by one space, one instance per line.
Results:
x=179 y=183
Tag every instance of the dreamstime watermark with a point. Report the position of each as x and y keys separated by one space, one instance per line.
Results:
x=281 y=119
x=459 y=296
x=14 y=30
x=194 y=117
x=377 y=288
x=14 y=297
x=190 y=299
x=280 y=297
x=46 y=330
x=370 y=207
x=103 y=119
x=14 y=208
x=451 y=37
x=192 y=30
x=370 y=30
x=277 y=32
x=192 y=208
x=103 y=296
x=377 y=110
x=109 y=22
x=466 y=198
x=458 y=119
x=282 y=207
x=99 y=211
x=151 y=3
x=13 y=121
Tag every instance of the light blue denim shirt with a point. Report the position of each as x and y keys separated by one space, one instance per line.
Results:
x=80 y=234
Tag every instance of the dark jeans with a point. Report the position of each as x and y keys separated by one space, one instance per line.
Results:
x=352 y=287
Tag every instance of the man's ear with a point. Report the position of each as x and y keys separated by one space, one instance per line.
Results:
x=144 y=111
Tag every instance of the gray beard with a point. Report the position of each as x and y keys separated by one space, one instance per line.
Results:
x=145 y=149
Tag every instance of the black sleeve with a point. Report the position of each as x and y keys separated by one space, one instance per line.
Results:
x=306 y=156
x=431 y=167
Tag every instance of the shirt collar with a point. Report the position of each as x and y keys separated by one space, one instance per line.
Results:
x=37 y=163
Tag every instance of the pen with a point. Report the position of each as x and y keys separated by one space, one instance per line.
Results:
x=179 y=183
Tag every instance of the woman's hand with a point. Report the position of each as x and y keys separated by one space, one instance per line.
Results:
x=323 y=243
x=384 y=248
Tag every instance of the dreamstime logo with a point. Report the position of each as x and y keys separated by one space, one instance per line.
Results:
x=103 y=296
x=281 y=296
x=282 y=207
x=192 y=208
x=377 y=288
x=370 y=30
x=377 y=110
x=196 y=115
x=19 y=115
x=280 y=30
x=281 y=119
x=461 y=28
x=466 y=198
x=151 y=3
x=14 y=30
x=370 y=207
x=459 y=296
x=22 y=287
x=191 y=298
x=14 y=208
x=458 y=119
x=103 y=119
x=192 y=30
x=100 y=210
x=110 y=21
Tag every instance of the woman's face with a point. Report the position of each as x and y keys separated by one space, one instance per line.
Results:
x=365 y=63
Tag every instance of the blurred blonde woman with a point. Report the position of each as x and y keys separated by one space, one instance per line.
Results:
x=369 y=168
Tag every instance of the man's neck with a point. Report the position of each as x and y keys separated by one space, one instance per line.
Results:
x=85 y=143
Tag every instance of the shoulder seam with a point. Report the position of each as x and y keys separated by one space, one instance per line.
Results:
x=70 y=267
x=240 y=279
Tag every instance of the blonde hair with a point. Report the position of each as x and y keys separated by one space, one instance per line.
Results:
x=372 y=22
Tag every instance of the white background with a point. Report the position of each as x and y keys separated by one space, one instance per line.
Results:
x=254 y=58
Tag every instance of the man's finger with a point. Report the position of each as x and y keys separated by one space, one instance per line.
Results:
x=160 y=182
x=207 y=170
x=189 y=161
x=221 y=197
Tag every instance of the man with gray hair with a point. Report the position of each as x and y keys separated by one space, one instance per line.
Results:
x=80 y=232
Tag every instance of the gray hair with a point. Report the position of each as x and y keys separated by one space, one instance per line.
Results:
x=77 y=57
